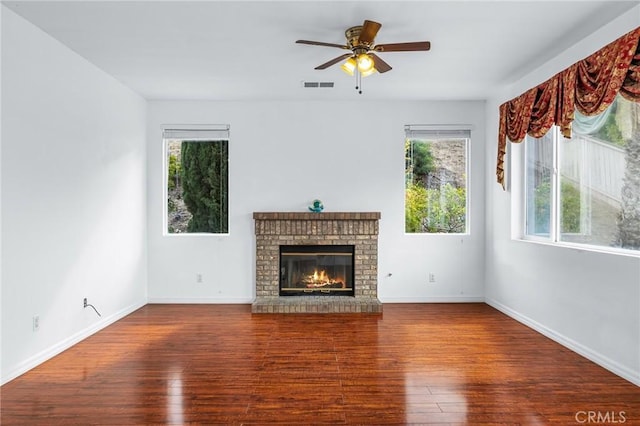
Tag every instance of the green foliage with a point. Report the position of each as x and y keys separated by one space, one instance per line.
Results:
x=173 y=174
x=419 y=161
x=415 y=207
x=570 y=209
x=435 y=210
x=542 y=207
x=430 y=210
x=204 y=176
x=452 y=211
x=570 y=212
x=610 y=132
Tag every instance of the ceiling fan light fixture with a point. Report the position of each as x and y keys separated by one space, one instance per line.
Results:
x=349 y=66
x=365 y=64
x=368 y=72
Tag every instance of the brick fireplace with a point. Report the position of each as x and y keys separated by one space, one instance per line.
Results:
x=359 y=230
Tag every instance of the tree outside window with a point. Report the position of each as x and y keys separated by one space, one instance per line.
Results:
x=197 y=186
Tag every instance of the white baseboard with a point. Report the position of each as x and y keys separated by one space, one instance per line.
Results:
x=243 y=300
x=432 y=299
x=603 y=361
x=65 y=344
x=201 y=300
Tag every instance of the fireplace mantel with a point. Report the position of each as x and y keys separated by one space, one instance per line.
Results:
x=359 y=229
x=316 y=216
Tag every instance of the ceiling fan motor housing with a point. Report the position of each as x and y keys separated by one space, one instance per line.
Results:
x=353 y=38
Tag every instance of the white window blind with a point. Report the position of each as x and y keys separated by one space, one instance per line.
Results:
x=418 y=131
x=209 y=132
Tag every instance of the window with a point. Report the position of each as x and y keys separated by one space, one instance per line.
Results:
x=196 y=180
x=539 y=172
x=586 y=190
x=436 y=180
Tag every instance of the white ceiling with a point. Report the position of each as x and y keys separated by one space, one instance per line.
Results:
x=228 y=50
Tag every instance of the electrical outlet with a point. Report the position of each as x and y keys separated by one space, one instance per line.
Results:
x=84 y=302
x=432 y=277
x=199 y=278
x=36 y=322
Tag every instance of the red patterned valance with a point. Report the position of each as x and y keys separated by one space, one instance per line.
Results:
x=589 y=86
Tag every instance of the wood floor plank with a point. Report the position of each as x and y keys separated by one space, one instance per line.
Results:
x=219 y=364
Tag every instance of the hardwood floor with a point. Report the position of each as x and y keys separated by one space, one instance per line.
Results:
x=219 y=364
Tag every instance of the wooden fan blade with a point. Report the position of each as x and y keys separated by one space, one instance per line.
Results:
x=369 y=31
x=333 y=61
x=403 y=47
x=380 y=65
x=321 y=43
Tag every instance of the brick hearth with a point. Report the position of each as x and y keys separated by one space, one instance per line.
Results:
x=276 y=229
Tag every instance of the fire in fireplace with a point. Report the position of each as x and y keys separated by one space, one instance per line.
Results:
x=318 y=270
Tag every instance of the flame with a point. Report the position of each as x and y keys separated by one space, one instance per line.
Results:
x=320 y=278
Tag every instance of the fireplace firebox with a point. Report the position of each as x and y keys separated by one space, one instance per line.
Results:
x=316 y=270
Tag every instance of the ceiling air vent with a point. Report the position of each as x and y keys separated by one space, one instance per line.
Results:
x=315 y=84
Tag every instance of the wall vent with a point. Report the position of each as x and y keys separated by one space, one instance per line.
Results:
x=315 y=84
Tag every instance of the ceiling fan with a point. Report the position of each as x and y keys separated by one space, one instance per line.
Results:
x=362 y=60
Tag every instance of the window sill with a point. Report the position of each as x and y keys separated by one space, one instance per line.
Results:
x=582 y=247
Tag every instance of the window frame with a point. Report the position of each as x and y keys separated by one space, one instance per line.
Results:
x=421 y=132
x=520 y=208
x=215 y=128
x=553 y=196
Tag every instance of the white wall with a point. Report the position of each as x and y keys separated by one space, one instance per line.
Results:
x=73 y=197
x=285 y=154
x=588 y=301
